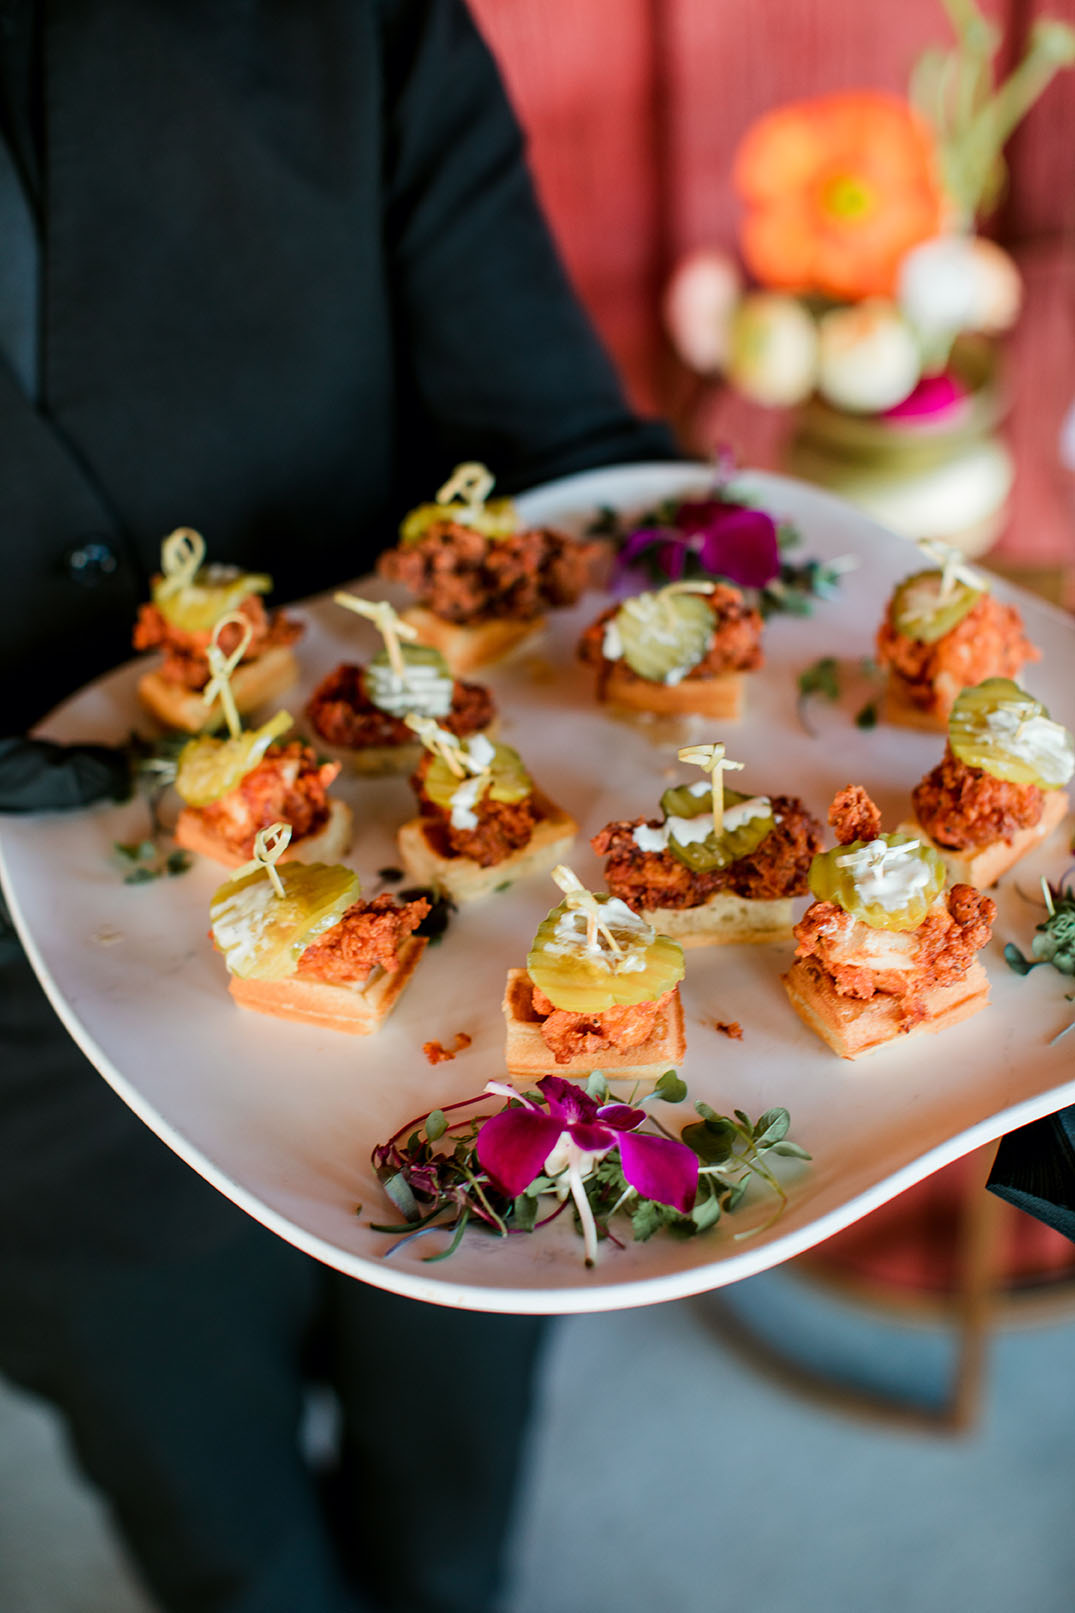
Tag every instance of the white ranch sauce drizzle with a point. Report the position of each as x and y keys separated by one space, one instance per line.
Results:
x=691 y=831
x=889 y=876
x=647 y=612
x=631 y=931
x=1042 y=744
x=612 y=643
x=477 y=755
x=426 y=690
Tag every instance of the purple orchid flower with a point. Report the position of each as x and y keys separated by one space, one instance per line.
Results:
x=729 y=540
x=519 y=1144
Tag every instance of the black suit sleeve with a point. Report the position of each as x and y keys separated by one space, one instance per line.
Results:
x=500 y=361
x=1035 y=1170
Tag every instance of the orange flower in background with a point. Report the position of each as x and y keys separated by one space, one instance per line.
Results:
x=837 y=190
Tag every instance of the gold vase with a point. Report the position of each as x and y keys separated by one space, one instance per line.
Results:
x=947 y=478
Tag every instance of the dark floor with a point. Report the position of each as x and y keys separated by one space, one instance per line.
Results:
x=666 y=1474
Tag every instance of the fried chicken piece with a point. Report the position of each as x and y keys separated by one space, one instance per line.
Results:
x=341 y=712
x=736 y=645
x=905 y=964
x=369 y=933
x=854 y=816
x=503 y=827
x=963 y=808
x=437 y=1053
x=988 y=643
x=615 y=1030
x=462 y=576
x=186 y=654
x=287 y=786
x=776 y=868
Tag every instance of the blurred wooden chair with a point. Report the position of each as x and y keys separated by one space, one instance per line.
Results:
x=946 y=1254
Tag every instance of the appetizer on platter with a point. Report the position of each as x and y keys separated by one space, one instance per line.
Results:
x=482 y=580
x=885 y=951
x=483 y=822
x=717 y=867
x=678 y=650
x=600 y=991
x=300 y=943
x=360 y=711
x=232 y=788
x=189 y=600
x=942 y=632
x=998 y=791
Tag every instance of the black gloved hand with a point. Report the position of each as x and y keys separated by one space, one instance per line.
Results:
x=38 y=775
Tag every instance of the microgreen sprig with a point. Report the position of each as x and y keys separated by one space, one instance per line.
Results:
x=1054 y=941
x=724 y=535
x=565 y=1144
x=153 y=765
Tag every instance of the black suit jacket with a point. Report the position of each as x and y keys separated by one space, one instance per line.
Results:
x=292 y=271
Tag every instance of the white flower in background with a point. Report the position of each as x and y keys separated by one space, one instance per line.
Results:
x=772 y=356
x=959 y=282
x=868 y=358
x=698 y=307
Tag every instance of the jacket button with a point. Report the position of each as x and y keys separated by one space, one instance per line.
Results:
x=90 y=561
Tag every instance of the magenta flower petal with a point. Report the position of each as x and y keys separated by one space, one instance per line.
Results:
x=743 y=547
x=568 y=1102
x=672 y=557
x=934 y=398
x=700 y=514
x=636 y=543
x=660 y=1168
x=592 y=1138
x=514 y=1145
x=621 y=1115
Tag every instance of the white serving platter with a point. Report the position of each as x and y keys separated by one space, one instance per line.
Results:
x=281 y=1117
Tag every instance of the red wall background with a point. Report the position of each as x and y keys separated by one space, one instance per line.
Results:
x=633 y=108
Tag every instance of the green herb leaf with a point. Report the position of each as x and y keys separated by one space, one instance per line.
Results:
x=735 y=1196
x=177 y=862
x=646 y=1219
x=398 y=1190
x=773 y=1125
x=821 y=677
x=597 y=1086
x=706 y=1212
x=867 y=716
x=670 y=1088
x=436 y=1125
x=710 y=1142
x=140 y=875
x=524 y=1211
x=789 y=1150
x=1015 y=960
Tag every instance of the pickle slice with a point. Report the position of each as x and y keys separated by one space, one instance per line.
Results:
x=583 y=982
x=496 y=518
x=1007 y=733
x=427 y=691
x=215 y=591
x=208 y=768
x=262 y=935
x=887 y=887
x=702 y=851
x=692 y=800
x=917 y=612
x=508 y=779
x=664 y=634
